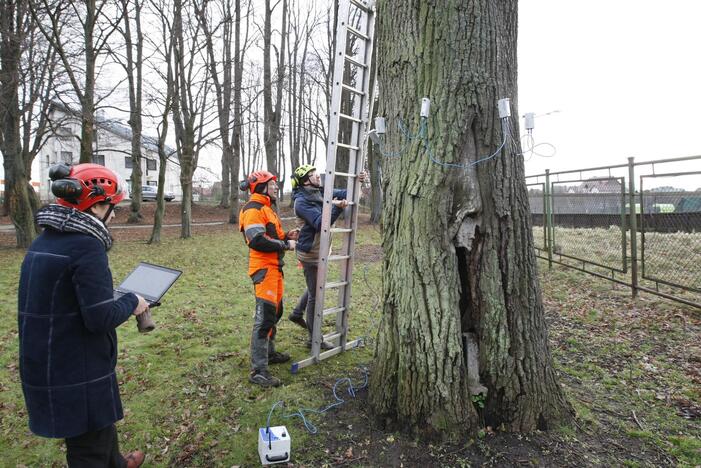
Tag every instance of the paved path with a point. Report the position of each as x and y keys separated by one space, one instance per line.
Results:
x=11 y=228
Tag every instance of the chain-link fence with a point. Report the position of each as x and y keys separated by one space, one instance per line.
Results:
x=583 y=219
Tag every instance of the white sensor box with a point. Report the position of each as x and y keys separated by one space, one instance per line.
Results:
x=529 y=120
x=425 y=107
x=504 y=108
x=274 y=445
x=380 y=127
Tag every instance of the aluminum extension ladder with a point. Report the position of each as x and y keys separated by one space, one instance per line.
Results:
x=356 y=21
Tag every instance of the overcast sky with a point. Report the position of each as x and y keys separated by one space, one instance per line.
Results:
x=624 y=74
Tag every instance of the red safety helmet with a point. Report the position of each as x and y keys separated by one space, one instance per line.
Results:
x=256 y=178
x=83 y=185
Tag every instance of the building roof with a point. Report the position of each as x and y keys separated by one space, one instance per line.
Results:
x=117 y=128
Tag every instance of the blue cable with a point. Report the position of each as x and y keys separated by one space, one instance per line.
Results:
x=425 y=142
x=427 y=147
x=300 y=413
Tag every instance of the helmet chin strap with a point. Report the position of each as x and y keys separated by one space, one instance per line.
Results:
x=107 y=215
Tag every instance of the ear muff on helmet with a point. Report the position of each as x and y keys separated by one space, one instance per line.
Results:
x=59 y=171
x=67 y=189
x=246 y=183
x=257 y=181
x=83 y=185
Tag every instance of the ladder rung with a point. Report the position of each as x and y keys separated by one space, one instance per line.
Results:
x=355 y=62
x=338 y=258
x=357 y=91
x=350 y=117
x=359 y=5
x=332 y=337
x=339 y=284
x=350 y=147
x=333 y=310
x=326 y=354
x=357 y=33
x=342 y=230
x=345 y=174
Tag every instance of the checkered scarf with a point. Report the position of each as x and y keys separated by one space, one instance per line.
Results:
x=64 y=219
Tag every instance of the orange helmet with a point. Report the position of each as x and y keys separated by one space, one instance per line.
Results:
x=255 y=179
x=83 y=185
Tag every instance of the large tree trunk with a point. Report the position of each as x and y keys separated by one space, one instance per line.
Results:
x=18 y=197
x=458 y=242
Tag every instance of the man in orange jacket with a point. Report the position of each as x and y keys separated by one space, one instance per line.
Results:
x=267 y=243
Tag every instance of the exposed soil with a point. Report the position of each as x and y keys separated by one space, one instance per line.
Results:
x=349 y=437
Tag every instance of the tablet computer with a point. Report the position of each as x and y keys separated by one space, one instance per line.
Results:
x=148 y=281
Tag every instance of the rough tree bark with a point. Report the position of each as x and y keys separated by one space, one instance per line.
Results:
x=13 y=16
x=458 y=242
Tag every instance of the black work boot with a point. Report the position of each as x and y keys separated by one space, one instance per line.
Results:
x=264 y=379
x=298 y=319
x=278 y=358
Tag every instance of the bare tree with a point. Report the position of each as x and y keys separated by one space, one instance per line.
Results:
x=91 y=41
x=132 y=63
x=240 y=48
x=227 y=73
x=163 y=97
x=27 y=78
x=191 y=86
x=221 y=73
x=272 y=111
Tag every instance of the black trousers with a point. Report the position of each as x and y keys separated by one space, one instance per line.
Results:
x=95 y=449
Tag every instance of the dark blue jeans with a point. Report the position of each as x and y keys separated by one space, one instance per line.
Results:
x=308 y=300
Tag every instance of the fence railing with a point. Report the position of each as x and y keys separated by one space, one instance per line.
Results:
x=637 y=224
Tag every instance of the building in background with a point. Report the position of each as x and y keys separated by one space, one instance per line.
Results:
x=113 y=150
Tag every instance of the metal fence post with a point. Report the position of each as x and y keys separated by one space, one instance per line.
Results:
x=633 y=223
x=547 y=220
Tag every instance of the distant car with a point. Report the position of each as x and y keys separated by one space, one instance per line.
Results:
x=150 y=192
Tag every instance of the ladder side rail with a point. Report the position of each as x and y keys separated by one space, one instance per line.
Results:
x=352 y=188
x=349 y=241
x=325 y=235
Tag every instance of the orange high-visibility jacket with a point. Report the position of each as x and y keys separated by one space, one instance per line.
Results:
x=263 y=233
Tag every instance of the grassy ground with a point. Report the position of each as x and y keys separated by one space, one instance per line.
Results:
x=630 y=368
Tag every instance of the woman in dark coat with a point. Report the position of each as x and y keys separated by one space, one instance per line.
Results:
x=67 y=319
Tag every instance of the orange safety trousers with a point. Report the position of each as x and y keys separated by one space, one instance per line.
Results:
x=269 y=288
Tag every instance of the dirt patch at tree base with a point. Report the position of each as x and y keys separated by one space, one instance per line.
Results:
x=349 y=436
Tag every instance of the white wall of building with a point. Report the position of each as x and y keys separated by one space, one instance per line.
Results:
x=113 y=150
